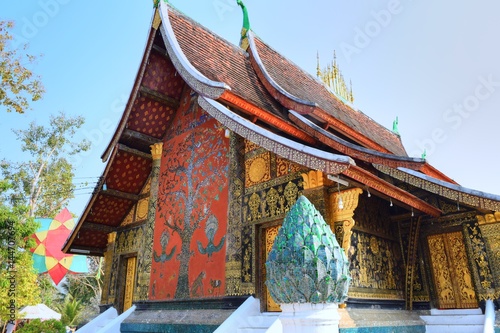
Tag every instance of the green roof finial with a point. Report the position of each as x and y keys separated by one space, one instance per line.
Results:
x=395 y=124
x=424 y=154
x=246 y=25
x=156 y=3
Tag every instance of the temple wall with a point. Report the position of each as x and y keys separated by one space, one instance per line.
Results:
x=376 y=263
x=466 y=245
x=191 y=217
x=127 y=242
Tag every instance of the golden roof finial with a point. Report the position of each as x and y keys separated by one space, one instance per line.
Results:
x=318 y=67
x=333 y=78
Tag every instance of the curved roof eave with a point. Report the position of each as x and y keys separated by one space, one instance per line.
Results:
x=348 y=148
x=296 y=152
x=303 y=106
x=445 y=189
x=196 y=80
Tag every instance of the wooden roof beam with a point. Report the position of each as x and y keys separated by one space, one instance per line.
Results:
x=94 y=226
x=161 y=50
x=159 y=97
x=86 y=250
x=121 y=195
x=138 y=153
x=130 y=134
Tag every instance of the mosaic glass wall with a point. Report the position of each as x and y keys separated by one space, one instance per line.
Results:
x=191 y=219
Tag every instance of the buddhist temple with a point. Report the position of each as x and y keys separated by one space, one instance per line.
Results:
x=216 y=144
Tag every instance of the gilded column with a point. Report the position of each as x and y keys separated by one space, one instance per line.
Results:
x=145 y=256
x=341 y=219
x=235 y=222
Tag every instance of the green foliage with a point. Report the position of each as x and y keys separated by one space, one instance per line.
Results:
x=17 y=276
x=49 y=294
x=70 y=310
x=18 y=85
x=46 y=326
x=45 y=183
x=87 y=288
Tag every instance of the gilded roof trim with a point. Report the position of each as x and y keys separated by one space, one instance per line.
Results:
x=354 y=150
x=296 y=152
x=376 y=183
x=447 y=190
x=196 y=80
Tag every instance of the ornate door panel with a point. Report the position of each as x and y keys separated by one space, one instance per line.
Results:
x=450 y=270
x=269 y=236
x=128 y=295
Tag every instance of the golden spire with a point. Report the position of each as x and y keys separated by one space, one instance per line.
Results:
x=332 y=77
x=318 y=67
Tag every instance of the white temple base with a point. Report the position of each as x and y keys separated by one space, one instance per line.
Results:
x=310 y=318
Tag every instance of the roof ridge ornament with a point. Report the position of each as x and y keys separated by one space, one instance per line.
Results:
x=156 y=3
x=395 y=128
x=332 y=77
x=246 y=25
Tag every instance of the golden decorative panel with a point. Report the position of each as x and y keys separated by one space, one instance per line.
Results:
x=450 y=270
x=271 y=200
x=285 y=167
x=129 y=283
x=313 y=179
x=142 y=209
x=129 y=219
x=250 y=146
x=376 y=267
x=483 y=249
x=257 y=169
x=488 y=218
x=270 y=236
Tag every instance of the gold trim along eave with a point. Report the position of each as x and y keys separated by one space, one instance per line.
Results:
x=447 y=190
x=296 y=152
x=372 y=181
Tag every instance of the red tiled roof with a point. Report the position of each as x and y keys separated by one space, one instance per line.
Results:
x=304 y=86
x=221 y=61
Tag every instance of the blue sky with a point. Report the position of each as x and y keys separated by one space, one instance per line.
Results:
x=434 y=65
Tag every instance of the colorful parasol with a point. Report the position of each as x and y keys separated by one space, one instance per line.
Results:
x=47 y=254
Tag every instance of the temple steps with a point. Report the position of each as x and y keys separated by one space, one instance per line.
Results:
x=264 y=323
x=455 y=321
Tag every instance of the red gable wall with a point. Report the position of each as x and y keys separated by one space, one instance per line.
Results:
x=191 y=219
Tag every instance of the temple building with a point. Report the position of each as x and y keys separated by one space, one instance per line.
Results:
x=216 y=144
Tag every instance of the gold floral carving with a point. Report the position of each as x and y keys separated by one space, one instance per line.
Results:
x=147 y=187
x=488 y=218
x=129 y=219
x=312 y=179
x=250 y=146
x=156 y=150
x=342 y=217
